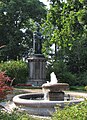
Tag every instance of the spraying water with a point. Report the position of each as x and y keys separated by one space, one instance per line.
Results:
x=52 y=81
x=53 y=78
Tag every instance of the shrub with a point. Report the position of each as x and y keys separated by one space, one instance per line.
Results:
x=82 y=78
x=4 y=87
x=75 y=112
x=86 y=88
x=57 y=67
x=17 y=70
x=15 y=116
x=62 y=73
x=69 y=78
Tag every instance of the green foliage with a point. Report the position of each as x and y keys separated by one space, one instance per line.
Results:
x=82 y=79
x=15 y=116
x=66 y=27
x=17 y=70
x=62 y=73
x=69 y=78
x=75 y=112
x=86 y=88
x=17 y=21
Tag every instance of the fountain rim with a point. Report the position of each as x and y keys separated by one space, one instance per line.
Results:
x=55 y=84
x=20 y=101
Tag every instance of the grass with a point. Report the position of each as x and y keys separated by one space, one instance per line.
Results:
x=78 y=88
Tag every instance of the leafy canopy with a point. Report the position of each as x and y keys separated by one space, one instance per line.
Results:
x=17 y=19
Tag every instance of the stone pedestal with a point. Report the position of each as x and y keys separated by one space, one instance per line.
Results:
x=55 y=92
x=37 y=70
x=56 y=96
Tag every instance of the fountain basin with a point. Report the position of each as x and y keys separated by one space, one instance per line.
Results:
x=34 y=103
x=56 y=87
x=54 y=92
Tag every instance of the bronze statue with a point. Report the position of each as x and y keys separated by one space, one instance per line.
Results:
x=37 y=41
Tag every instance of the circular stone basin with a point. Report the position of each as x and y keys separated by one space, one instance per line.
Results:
x=34 y=103
x=56 y=87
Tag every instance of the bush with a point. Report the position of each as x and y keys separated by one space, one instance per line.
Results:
x=57 y=67
x=4 y=87
x=68 y=77
x=86 y=88
x=15 y=116
x=82 y=78
x=17 y=70
x=62 y=73
x=75 y=112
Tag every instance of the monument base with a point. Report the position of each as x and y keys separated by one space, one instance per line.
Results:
x=36 y=82
x=37 y=70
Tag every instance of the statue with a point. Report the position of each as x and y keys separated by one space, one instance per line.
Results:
x=37 y=40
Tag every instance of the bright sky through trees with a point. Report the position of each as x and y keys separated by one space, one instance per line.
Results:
x=45 y=2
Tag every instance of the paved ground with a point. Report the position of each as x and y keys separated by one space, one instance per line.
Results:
x=78 y=94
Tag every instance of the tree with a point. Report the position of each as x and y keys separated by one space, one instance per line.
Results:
x=17 y=19
x=66 y=27
x=68 y=23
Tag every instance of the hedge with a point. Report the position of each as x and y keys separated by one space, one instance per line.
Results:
x=17 y=70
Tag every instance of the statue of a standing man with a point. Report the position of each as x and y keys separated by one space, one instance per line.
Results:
x=37 y=41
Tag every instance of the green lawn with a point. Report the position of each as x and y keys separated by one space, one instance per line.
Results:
x=78 y=88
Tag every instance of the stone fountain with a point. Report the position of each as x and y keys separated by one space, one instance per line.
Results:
x=54 y=91
x=43 y=104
